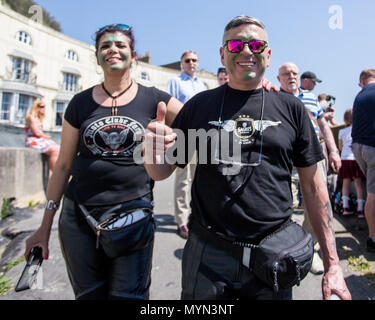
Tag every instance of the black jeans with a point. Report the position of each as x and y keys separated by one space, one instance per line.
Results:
x=92 y=274
x=210 y=273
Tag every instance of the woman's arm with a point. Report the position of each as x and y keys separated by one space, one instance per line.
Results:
x=173 y=108
x=56 y=187
x=340 y=144
x=34 y=124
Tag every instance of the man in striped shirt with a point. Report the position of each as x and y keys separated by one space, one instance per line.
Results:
x=308 y=82
x=288 y=77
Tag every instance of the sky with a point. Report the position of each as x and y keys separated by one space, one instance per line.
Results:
x=332 y=38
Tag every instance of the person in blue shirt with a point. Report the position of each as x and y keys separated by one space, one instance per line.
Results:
x=183 y=87
x=363 y=135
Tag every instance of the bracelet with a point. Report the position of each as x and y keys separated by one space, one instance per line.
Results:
x=336 y=150
x=52 y=205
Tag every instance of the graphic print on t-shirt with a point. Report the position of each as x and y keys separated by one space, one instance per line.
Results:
x=242 y=133
x=113 y=137
x=244 y=127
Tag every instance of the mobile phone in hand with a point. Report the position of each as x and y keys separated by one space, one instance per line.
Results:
x=30 y=271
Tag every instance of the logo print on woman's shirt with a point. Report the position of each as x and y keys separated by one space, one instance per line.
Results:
x=114 y=136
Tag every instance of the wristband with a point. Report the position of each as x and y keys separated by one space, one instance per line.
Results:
x=336 y=151
x=52 y=205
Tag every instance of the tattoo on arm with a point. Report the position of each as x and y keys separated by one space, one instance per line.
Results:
x=330 y=223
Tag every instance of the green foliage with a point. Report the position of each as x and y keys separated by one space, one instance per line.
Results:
x=14 y=263
x=5 y=285
x=33 y=204
x=23 y=6
x=359 y=264
x=6 y=208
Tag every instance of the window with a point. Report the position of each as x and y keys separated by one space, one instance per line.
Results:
x=70 y=82
x=21 y=69
x=145 y=76
x=23 y=37
x=60 y=108
x=71 y=55
x=5 y=106
x=24 y=103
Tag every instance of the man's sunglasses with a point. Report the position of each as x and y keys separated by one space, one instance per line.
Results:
x=236 y=46
x=188 y=60
x=117 y=25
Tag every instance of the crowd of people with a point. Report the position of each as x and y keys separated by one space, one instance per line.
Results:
x=287 y=147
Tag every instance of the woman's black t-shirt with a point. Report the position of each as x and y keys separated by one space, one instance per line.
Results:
x=104 y=170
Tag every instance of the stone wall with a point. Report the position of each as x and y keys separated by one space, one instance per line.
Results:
x=23 y=174
x=12 y=136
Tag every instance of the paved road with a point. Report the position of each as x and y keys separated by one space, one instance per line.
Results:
x=166 y=271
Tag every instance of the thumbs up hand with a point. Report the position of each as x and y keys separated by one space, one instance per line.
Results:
x=161 y=112
x=158 y=138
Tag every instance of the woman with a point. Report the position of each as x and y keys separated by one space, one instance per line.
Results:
x=35 y=137
x=350 y=169
x=102 y=127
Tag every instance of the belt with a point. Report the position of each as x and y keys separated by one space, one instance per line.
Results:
x=240 y=250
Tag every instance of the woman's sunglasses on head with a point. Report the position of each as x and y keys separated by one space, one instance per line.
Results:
x=255 y=46
x=117 y=25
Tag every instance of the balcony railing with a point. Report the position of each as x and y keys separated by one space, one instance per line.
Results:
x=69 y=87
x=21 y=76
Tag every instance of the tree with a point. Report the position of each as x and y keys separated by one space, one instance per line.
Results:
x=23 y=6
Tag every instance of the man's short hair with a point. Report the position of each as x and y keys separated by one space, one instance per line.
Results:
x=186 y=52
x=240 y=20
x=367 y=74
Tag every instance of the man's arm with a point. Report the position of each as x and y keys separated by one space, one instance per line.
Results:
x=316 y=199
x=333 y=152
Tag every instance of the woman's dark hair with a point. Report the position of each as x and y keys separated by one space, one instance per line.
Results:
x=115 y=28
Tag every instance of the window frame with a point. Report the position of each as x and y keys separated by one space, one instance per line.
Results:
x=70 y=82
x=64 y=105
x=71 y=55
x=10 y=104
x=24 y=37
x=22 y=71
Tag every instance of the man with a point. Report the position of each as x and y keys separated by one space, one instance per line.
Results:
x=308 y=82
x=363 y=134
x=222 y=76
x=183 y=87
x=328 y=108
x=272 y=130
x=289 y=82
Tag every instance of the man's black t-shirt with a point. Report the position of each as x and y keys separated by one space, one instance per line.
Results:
x=104 y=171
x=252 y=203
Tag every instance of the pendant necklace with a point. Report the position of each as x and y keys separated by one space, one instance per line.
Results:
x=114 y=101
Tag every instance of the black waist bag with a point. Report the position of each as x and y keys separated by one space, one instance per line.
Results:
x=123 y=228
x=283 y=258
